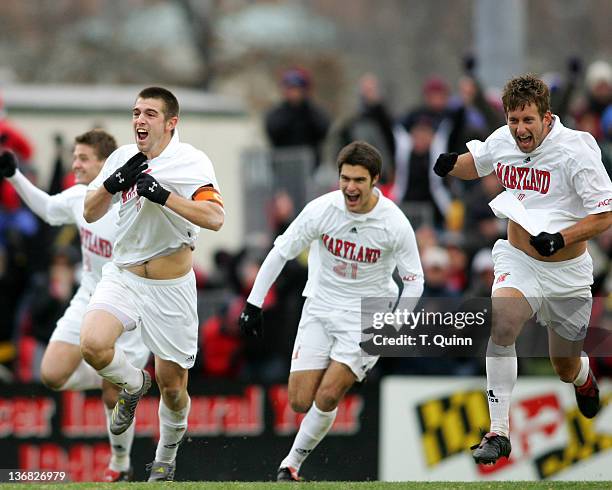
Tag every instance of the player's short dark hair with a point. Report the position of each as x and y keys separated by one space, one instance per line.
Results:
x=171 y=105
x=524 y=90
x=103 y=144
x=361 y=153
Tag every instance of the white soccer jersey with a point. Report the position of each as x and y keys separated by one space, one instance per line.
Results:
x=352 y=256
x=564 y=175
x=96 y=238
x=146 y=229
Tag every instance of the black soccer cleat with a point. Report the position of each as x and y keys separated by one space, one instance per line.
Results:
x=587 y=397
x=491 y=448
x=287 y=474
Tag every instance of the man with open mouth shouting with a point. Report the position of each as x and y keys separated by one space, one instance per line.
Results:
x=546 y=167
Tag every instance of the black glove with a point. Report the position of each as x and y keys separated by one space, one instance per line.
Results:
x=147 y=186
x=125 y=177
x=8 y=164
x=547 y=243
x=445 y=163
x=251 y=321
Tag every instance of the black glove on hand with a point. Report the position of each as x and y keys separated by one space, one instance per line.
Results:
x=125 y=177
x=445 y=163
x=147 y=186
x=251 y=321
x=8 y=164
x=547 y=243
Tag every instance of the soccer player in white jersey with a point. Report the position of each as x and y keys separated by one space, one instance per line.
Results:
x=62 y=366
x=150 y=281
x=356 y=237
x=546 y=166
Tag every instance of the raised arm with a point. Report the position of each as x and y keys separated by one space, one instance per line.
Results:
x=460 y=166
x=36 y=199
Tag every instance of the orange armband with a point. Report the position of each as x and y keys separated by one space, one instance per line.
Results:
x=208 y=193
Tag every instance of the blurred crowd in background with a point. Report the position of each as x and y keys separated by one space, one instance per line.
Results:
x=455 y=228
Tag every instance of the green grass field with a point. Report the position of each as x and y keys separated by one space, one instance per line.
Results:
x=318 y=485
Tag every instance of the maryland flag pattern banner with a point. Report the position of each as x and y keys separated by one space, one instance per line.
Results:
x=428 y=424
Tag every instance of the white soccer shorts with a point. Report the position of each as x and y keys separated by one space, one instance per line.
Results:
x=325 y=335
x=68 y=329
x=558 y=292
x=165 y=310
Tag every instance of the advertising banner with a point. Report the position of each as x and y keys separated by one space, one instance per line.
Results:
x=236 y=432
x=428 y=425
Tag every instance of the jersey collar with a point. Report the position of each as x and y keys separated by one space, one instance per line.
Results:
x=557 y=127
x=172 y=148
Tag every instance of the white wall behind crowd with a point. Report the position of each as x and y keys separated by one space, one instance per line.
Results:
x=216 y=124
x=428 y=424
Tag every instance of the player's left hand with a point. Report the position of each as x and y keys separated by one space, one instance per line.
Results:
x=8 y=164
x=547 y=243
x=251 y=321
x=147 y=186
x=445 y=163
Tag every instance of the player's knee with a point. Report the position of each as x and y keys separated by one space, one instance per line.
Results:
x=300 y=406
x=172 y=395
x=327 y=399
x=92 y=350
x=503 y=332
x=299 y=402
x=52 y=380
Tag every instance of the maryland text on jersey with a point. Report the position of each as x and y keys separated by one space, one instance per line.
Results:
x=523 y=178
x=350 y=250
x=95 y=244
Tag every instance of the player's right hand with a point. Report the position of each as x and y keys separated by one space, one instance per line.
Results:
x=445 y=163
x=251 y=321
x=8 y=164
x=125 y=177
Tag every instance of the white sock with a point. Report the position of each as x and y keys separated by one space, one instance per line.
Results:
x=84 y=377
x=501 y=378
x=122 y=373
x=121 y=445
x=172 y=427
x=583 y=374
x=313 y=429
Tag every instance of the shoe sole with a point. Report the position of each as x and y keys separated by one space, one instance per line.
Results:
x=487 y=461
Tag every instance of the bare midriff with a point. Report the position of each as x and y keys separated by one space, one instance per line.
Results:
x=170 y=266
x=519 y=238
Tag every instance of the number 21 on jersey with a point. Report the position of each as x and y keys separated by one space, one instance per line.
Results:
x=346 y=269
